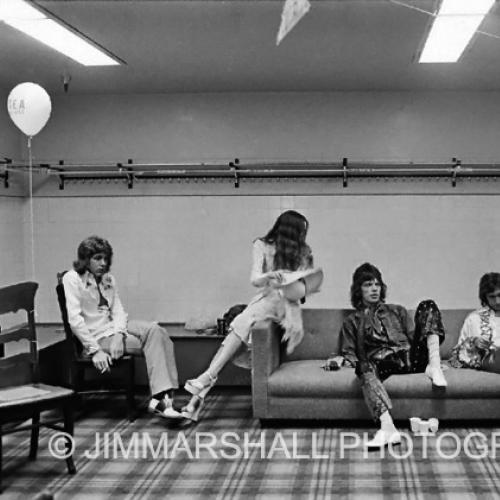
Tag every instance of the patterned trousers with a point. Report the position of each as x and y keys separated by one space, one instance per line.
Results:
x=373 y=372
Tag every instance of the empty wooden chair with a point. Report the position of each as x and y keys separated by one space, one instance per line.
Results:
x=22 y=396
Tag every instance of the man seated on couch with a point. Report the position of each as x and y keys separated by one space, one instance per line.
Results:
x=97 y=318
x=378 y=340
x=479 y=343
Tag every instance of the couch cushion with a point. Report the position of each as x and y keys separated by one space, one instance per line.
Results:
x=321 y=334
x=308 y=379
x=453 y=319
x=462 y=383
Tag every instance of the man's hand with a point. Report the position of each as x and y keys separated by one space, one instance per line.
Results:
x=102 y=361
x=482 y=343
x=116 y=346
x=333 y=363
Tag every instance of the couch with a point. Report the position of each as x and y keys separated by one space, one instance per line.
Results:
x=296 y=387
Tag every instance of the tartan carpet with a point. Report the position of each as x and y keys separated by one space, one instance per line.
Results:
x=274 y=463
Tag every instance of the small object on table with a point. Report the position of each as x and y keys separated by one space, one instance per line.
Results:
x=208 y=331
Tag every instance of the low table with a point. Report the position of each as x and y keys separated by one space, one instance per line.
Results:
x=194 y=351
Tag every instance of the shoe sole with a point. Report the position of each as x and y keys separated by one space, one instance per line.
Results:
x=162 y=415
x=375 y=447
x=434 y=384
x=437 y=386
x=192 y=417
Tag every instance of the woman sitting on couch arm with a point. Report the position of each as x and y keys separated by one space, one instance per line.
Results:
x=378 y=340
x=479 y=340
x=281 y=251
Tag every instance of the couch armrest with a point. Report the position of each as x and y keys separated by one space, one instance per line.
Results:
x=266 y=339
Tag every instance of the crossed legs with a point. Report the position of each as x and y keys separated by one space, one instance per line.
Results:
x=262 y=307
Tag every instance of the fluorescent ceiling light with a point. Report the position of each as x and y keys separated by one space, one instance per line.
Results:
x=33 y=22
x=467 y=7
x=453 y=28
x=19 y=9
x=61 y=39
x=448 y=38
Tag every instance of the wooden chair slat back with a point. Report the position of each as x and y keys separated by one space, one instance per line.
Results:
x=16 y=333
x=16 y=370
x=18 y=296
x=14 y=298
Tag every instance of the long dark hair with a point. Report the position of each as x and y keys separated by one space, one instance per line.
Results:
x=488 y=284
x=91 y=246
x=365 y=272
x=288 y=235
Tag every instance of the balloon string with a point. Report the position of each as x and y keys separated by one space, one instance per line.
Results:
x=32 y=223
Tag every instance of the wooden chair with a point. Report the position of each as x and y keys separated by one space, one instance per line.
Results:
x=22 y=396
x=79 y=363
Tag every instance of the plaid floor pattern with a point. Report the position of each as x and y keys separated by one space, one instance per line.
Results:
x=284 y=462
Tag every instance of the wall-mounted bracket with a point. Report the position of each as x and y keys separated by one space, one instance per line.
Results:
x=234 y=168
x=128 y=172
x=61 y=177
x=457 y=167
x=344 y=172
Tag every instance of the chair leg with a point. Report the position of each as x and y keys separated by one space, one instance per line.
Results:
x=79 y=377
x=72 y=377
x=69 y=427
x=130 y=391
x=35 y=432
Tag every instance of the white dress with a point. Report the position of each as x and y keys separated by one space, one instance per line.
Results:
x=268 y=304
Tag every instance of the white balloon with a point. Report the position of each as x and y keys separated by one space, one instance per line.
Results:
x=29 y=107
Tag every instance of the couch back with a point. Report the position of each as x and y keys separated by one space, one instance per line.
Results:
x=322 y=328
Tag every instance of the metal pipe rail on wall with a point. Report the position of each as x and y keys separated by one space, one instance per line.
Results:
x=238 y=171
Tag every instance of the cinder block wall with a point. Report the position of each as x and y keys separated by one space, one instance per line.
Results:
x=181 y=248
